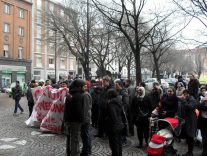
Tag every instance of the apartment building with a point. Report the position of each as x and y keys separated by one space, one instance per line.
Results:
x=15 y=41
x=46 y=53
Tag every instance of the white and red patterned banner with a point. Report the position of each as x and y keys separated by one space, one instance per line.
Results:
x=48 y=110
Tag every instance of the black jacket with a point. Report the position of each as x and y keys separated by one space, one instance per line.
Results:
x=30 y=96
x=170 y=105
x=17 y=93
x=141 y=108
x=74 y=106
x=114 y=122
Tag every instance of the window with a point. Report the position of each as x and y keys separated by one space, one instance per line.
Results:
x=62 y=12
x=39 y=4
x=39 y=32
x=51 y=7
x=62 y=63
x=6 y=27
x=51 y=48
x=39 y=17
x=20 y=52
x=39 y=61
x=6 y=51
x=71 y=64
x=38 y=46
x=51 y=62
x=6 y=8
x=21 y=13
x=21 y=31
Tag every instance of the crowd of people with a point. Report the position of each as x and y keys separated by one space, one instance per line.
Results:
x=115 y=108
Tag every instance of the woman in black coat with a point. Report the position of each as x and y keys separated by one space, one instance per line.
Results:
x=169 y=104
x=114 y=122
x=141 y=110
x=202 y=107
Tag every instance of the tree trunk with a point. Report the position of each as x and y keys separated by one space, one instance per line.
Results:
x=156 y=67
x=128 y=68
x=138 y=68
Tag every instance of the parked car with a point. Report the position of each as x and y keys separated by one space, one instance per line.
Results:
x=149 y=83
x=171 y=81
x=23 y=86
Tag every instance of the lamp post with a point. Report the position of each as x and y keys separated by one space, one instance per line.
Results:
x=55 y=55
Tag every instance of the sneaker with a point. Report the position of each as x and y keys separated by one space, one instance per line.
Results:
x=22 y=112
x=15 y=114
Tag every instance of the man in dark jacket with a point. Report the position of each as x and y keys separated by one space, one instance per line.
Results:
x=102 y=109
x=190 y=127
x=74 y=116
x=17 y=93
x=180 y=79
x=85 y=127
x=30 y=96
x=114 y=120
x=125 y=102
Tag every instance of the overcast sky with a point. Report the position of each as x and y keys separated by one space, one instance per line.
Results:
x=193 y=30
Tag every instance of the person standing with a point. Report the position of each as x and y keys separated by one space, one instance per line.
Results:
x=114 y=122
x=74 y=116
x=17 y=94
x=29 y=95
x=131 y=92
x=190 y=127
x=202 y=107
x=141 y=111
x=102 y=106
x=85 y=127
x=125 y=102
x=193 y=86
x=169 y=104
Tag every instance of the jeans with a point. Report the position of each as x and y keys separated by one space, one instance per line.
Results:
x=17 y=105
x=86 y=139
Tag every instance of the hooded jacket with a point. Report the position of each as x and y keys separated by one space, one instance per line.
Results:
x=114 y=115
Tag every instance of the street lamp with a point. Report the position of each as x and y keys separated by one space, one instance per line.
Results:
x=55 y=55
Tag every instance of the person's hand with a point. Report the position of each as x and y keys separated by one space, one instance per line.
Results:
x=164 y=113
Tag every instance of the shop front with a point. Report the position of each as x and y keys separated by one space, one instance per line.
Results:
x=6 y=78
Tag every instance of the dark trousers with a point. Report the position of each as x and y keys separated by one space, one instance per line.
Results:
x=101 y=124
x=190 y=143
x=142 y=130
x=204 y=135
x=17 y=105
x=86 y=139
x=30 y=105
x=115 y=143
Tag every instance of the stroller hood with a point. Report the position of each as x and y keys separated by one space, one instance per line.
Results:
x=172 y=123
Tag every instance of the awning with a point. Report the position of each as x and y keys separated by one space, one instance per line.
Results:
x=6 y=71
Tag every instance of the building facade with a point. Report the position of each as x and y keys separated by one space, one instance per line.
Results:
x=15 y=41
x=46 y=56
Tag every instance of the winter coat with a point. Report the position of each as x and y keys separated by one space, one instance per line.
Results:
x=87 y=108
x=74 y=106
x=141 y=109
x=114 y=122
x=190 y=126
x=17 y=92
x=193 y=87
x=170 y=105
x=29 y=95
x=202 y=120
x=155 y=97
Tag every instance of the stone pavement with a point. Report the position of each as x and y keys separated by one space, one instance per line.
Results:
x=16 y=139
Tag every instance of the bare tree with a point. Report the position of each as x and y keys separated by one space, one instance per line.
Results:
x=74 y=26
x=129 y=21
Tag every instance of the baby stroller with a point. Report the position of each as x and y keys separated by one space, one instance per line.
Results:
x=161 y=143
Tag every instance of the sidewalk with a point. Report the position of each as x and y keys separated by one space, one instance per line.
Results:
x=16 y=139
